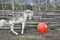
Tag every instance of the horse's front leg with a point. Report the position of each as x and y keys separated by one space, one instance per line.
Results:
x=23 y=26
x=12 y=29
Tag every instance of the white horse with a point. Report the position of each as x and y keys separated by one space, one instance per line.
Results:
x=21 y=19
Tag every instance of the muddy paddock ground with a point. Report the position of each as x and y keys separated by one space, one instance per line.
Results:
x=30 y=34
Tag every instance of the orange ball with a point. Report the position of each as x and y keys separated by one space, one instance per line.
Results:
x=42 y=27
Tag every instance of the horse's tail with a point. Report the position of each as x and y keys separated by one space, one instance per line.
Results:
x=2 y=22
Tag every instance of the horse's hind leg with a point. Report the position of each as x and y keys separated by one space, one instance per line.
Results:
x=12 y=29
x=23 y=26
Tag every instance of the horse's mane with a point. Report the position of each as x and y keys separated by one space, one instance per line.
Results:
x=28 y=11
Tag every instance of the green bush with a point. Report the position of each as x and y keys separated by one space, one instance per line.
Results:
x=29 y=7
x=8 y=7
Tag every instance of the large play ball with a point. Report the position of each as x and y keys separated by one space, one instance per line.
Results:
x=42 y=27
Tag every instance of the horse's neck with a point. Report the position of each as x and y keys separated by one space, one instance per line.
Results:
x=25 y=15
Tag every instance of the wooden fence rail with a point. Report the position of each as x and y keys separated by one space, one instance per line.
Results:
x=32 y=24
x=27 y=26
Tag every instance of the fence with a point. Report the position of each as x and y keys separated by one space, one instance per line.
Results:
x=52 y=19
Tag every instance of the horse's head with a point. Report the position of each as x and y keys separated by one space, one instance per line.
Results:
x=29 y=13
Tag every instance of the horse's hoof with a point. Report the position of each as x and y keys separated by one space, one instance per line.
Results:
x=21 y=32
x=16 y=33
